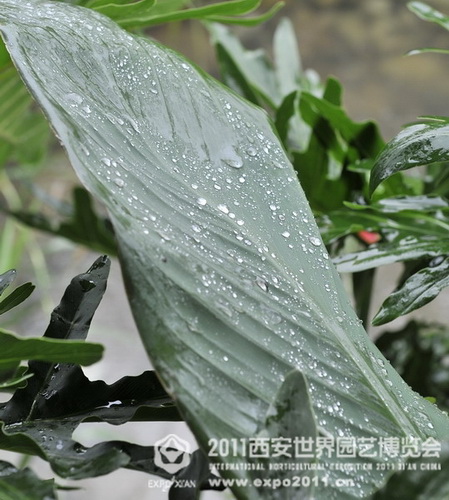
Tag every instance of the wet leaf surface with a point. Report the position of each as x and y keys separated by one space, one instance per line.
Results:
x=229 y=281
x=41 y=417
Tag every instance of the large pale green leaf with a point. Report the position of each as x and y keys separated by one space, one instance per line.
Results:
x=230 y=284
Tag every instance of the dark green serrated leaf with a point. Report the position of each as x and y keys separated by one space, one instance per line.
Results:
x=23 y=484
x=399 y=203
x=417 y=291
x=417 y=145
x=391 y=253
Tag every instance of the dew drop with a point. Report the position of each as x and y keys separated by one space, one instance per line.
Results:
x=223 y=208
x=233 y=162
x=315 y=241
x=74 y=98
x=201 y=201
x=286 y=234
x=262 y=284
x=119 y=182
x=252 y=151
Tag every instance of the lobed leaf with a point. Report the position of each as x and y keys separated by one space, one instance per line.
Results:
x=58 y=393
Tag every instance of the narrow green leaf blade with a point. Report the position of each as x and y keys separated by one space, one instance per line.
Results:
x=417 y=145
x=427 y=13
x=418 y=290
x=15 y=349
x=286 y=56
x=390 y=253
x=248 y=21
x=16 y=297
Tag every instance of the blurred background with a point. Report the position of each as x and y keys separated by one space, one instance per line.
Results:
x=363 y=44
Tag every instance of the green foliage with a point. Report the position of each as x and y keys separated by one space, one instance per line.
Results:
x=81 y=225
x=243 y=315
x=283 y=309
x=58 y=393
x=417 y=352
x=23 y=484
x=15 y=349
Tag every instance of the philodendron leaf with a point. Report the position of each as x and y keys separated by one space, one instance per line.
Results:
x=23 y=484
x=418 y=290
x=59 y=394
x=230 y=284
x=417 y=145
